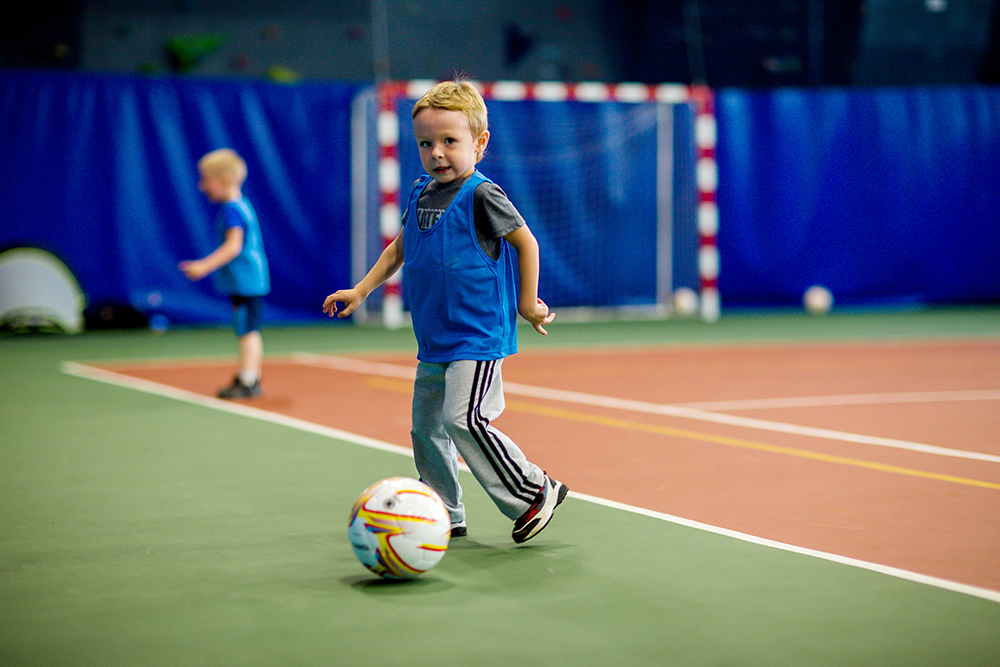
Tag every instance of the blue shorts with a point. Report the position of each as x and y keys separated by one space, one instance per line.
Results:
x=246 y=313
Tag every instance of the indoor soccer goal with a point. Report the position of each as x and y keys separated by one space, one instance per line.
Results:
x=617 y=183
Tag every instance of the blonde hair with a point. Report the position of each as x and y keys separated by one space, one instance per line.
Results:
x=224 y=162
x=457 y=96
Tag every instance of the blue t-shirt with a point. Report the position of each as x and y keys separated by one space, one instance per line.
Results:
x=462 y=302
x=247 y=274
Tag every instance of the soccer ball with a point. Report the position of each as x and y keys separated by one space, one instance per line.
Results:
x=399 y=528
x=685 y=301
x=817 y=300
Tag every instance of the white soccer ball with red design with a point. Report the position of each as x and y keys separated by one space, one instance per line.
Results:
x=399 y=528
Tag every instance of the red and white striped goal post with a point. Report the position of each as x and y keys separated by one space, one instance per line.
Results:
x=702 y=97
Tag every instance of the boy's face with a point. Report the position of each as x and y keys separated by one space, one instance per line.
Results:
x=448 y=151
x=215 y=187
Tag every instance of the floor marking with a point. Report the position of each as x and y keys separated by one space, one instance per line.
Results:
x=406 y=372
x=233 y=407
x=848 y=399
x=984 y=593
x=166 y=391
x=127 y=382
x=746 y=444
x=398 y=385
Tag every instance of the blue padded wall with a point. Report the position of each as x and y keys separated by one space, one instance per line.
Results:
x=882 y=195
x=102 y=172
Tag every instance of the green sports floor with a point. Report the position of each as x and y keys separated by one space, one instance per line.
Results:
x=140 y=530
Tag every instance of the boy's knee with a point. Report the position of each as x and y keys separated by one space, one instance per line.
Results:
x=458 y=424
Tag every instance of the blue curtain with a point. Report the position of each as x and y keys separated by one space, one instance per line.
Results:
x=101 y=171
x=882 y=195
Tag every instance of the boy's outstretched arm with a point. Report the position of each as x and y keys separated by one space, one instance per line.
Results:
x=529 y=305
x=390 y=261
x=199 y=268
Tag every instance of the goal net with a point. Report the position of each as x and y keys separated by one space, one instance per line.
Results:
x=617 y=183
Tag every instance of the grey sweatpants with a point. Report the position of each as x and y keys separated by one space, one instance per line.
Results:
x=453 y=404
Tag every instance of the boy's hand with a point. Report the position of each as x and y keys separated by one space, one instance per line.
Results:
x=351 y=299
x=194 y=270
x=538 y=316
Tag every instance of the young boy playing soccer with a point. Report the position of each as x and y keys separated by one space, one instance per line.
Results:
x=458 y=231
x=239 y=263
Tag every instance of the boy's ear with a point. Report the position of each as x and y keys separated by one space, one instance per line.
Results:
x=481 y=141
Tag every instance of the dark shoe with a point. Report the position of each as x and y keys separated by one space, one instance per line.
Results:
x=459 y=530
x=539 y=514
x=239 y=390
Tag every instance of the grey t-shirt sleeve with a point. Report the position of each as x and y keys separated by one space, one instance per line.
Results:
x=495 y=217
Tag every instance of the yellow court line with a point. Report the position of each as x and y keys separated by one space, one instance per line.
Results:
x=613 y=422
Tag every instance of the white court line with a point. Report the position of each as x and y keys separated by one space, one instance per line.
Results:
x=985 y=593
x=155 y=388
x=406 y=372
x=150 y=387
x=849 y=399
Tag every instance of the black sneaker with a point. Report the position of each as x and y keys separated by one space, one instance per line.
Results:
x=239 y=390
x=539 y=514
x=459 y=530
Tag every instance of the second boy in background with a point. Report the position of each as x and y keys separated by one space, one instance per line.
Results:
x=459 y=230
x=239 y=263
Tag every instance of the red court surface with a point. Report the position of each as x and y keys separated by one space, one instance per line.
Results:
x=888 y=453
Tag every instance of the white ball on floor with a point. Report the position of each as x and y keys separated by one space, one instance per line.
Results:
x=685 y=301
x=399 y=528
x=817 y=300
